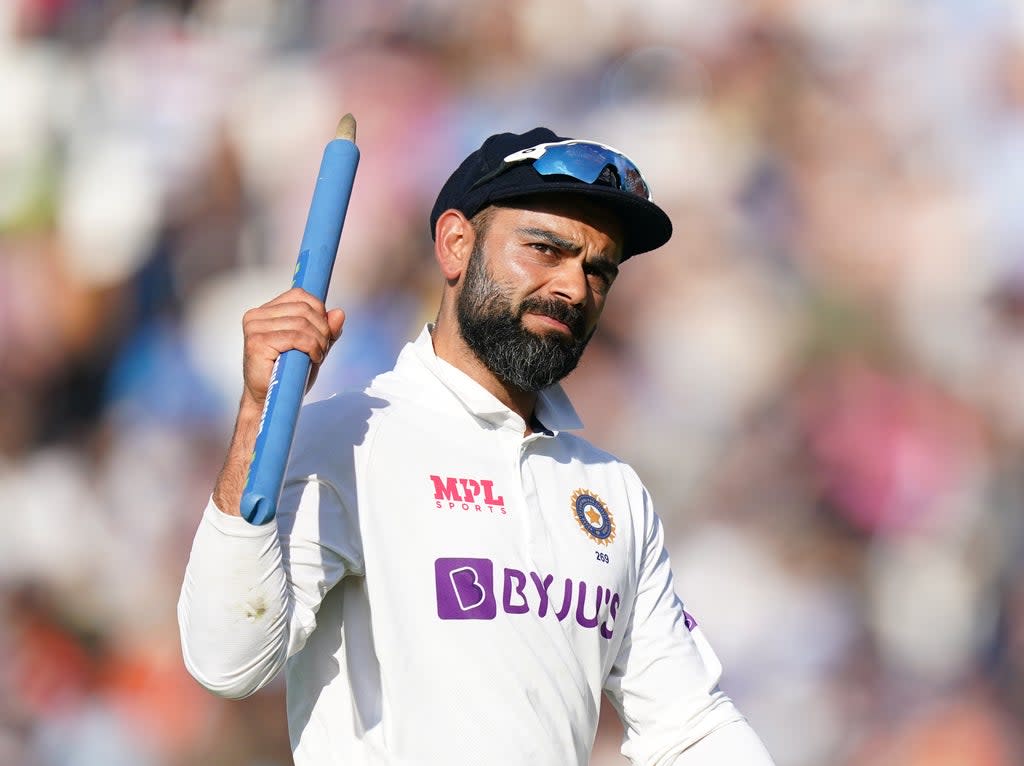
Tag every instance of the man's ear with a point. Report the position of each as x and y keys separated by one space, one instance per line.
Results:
x=453 y=243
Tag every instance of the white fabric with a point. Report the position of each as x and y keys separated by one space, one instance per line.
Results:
x=435 y=597
x=734 y=744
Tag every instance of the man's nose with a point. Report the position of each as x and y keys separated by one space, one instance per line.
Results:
x=570 y=283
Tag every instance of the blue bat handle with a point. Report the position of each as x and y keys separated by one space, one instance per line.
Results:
x=291 y=371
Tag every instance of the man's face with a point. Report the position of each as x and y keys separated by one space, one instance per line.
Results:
x=535 y=287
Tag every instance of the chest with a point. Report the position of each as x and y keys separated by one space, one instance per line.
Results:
x=497 y=527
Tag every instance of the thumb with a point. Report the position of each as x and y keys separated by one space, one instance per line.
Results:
x=335 y=321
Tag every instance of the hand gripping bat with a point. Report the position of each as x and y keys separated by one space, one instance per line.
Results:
x=289 y=378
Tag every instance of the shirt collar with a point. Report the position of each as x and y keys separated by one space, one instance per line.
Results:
x=554 y=410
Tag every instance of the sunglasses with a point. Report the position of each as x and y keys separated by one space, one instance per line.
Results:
x=583 y=160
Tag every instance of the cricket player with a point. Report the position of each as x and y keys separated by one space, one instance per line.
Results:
x=454 y=576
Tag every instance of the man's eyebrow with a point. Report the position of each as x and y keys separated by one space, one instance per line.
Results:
x=551 y=238
x=604 y=262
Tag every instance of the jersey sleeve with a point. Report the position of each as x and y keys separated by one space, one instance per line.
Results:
x=251 y=593
x=664 y=681
x=317 y=519
x=733 y=743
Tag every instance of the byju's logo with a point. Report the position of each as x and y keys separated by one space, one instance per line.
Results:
x=465 y=589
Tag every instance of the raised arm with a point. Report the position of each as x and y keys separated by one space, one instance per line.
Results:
x=292 y=320
x=237 y=600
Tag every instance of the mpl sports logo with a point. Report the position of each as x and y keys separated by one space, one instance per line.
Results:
x=458 y=494
x=466 y=591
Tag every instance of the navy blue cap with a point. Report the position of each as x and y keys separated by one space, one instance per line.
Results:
x=645 y=224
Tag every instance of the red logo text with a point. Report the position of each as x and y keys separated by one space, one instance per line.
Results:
x=457 y=494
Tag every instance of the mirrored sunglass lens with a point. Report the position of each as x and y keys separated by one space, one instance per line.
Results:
x=585 y=163
x=581 y=161
x=634 y=182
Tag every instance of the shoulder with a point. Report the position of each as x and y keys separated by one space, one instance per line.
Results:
x=340 y=419
x=343 y=407
x=614 y=480
x=348 y=417
x=610 y=477
x=579 y=448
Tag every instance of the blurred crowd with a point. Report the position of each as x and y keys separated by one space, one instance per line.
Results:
x=820 y=378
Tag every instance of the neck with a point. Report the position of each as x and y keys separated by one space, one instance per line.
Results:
x=449 y=345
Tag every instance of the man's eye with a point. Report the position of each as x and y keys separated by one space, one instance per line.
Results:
x=543 y=247
x=599 y=276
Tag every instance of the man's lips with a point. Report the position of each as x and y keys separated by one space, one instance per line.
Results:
x=551 y=322
x=555 y=316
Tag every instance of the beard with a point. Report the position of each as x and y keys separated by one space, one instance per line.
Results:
x=493 y=328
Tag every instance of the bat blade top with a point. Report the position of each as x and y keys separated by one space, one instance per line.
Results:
x=346 y=128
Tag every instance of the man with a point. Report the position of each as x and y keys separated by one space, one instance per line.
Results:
x=453 y=577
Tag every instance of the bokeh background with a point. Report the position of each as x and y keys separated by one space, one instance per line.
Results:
x=821 y=377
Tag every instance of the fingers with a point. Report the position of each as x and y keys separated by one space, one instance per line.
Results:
x=293 y=320
x=294 y=303
x=272 y=337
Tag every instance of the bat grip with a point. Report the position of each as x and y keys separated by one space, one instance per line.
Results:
x=274 y=441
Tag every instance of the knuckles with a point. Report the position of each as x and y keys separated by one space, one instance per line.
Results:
x=293 y=320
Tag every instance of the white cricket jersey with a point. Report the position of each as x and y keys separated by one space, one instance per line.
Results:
x=442 y=589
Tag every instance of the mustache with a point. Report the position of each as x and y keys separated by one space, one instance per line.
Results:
x=571 y=316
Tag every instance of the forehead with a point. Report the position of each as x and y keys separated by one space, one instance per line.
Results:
x=580 y=218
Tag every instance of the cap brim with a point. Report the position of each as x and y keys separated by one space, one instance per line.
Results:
x=646 y=226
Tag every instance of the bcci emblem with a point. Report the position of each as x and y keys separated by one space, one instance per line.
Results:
x=593 y=516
